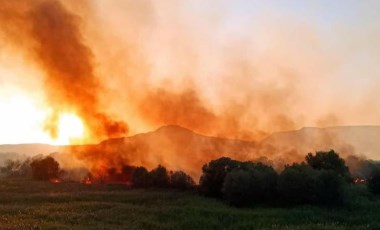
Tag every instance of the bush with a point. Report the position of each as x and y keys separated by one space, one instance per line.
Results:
x=159 y=177
x=16 y=168
x=45 y=168
x=329 y=161
x=263 y=180
x=250 y=183
x=296 y=184
x=122 y=175
x=236 y=188
x=181 y=180
x=374 y=181
x=140 y=177
x=330 y=188
x=212 y=179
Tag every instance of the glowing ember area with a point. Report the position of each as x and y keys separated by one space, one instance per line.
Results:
x=55 y=180
x=87 y=181
x=359 y=181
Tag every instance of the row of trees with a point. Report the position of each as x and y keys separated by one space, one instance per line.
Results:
x=47 y=168
x=39 y=168
x=160 y=178
x=322 y=179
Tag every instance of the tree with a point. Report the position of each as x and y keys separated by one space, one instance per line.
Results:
x=16 y=168
x=214 y=173
x=180 y=180
x=296 y=184
x=122 y=175
x=330 y=188
x=140 y=177
x=236 y=188
x=263 y=180
x=159 y=177
x=249 y=184
x=329 y=161
x=373 y=182
x=45 y=168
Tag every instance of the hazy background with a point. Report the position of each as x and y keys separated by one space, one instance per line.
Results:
x=237 y=69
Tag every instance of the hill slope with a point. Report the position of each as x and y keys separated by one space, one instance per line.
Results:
x=172 y=146
x=359 y=140
x=180 y=148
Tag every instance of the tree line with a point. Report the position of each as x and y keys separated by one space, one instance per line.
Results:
x=321 y=179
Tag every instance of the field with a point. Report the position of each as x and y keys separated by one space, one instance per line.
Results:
x=26 y=204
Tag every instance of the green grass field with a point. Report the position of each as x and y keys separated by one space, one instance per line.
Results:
x=26 y=204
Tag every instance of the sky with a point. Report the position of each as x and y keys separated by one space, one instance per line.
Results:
x=255 y=67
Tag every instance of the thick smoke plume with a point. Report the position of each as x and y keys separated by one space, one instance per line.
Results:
x=56 y=44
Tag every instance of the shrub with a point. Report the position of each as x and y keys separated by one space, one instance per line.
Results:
x=159 y=177
x=374 y=181
x=296 y=184
x=329 y=161
x=140 y=177
x=45 y=168
x=181 y=180
x=330 y=188
x=122 y=175
x=236 y=188
x=16 y=168
x=212 y=179
x=250 y=183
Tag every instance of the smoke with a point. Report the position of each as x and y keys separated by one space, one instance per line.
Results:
x=157 y=63
x=57 y=46
x=184 y=109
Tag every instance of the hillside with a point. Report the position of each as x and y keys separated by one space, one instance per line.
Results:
x=180 y=148
x=172 y=146
x=347 y=140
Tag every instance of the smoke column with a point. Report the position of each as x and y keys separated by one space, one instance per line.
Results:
x=56 y=44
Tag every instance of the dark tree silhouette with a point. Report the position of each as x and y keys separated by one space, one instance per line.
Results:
x=140 y=177
x=180 y=180
x=329 y=161
x=212 y=179
x=45 y=168
x=330 y=188
x=122 y=175
x=159 y=177
x=296 y=184
x=374 y=181
x=237 y=188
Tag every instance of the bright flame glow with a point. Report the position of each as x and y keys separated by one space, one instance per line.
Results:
x=70 y=128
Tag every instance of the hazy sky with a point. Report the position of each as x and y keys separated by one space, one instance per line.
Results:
x=322 y=57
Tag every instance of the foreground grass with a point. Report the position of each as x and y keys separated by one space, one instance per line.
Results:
x=28 y=204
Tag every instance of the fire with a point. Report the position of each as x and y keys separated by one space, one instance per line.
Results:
x=359 y=181
x=87 y=181
x=70 y=127
x=55 y=180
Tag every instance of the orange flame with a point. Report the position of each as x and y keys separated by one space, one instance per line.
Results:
x=359 y=181
x=87 y=181
x=55 y=180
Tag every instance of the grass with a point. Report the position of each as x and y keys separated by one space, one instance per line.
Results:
x=26 y=204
